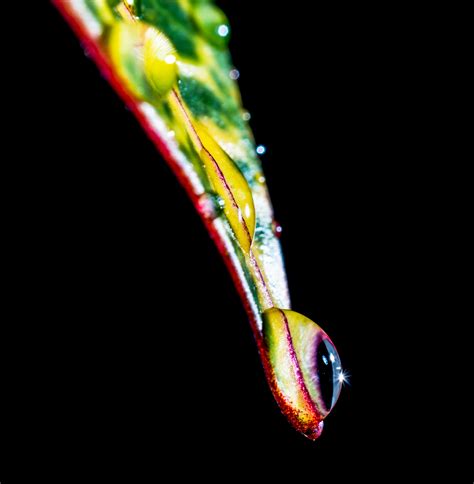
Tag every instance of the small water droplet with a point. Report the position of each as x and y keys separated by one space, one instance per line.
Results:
x=246 y=116
x=261 y=179
x=206 y=206
x=261 y=149
x=277 y=229
x=287 y=332
x=85 y=49
x=234 y=74
x=223 y=30
x=220 y=201
x=171 y=134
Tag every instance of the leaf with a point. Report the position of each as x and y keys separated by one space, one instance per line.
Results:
x=168 y=61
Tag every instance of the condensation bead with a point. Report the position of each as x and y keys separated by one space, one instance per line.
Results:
x=305 y=363
x=144 y=58
x=229 y=183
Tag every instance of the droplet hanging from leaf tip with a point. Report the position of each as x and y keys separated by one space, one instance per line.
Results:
x=159 y=58
x=305 y=364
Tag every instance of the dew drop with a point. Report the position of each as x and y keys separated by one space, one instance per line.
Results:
x=330 y=379
x=246 y=116
x=234 y=74
x=223 y=30
x=229 y=183
x=206 y=205
x=159 y=61
x=277 y=229
x=260 y=149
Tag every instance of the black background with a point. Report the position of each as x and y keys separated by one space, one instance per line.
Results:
x=124 y=332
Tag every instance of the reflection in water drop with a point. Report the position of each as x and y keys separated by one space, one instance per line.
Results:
x=306 y=366
x=260 y=149
x=229 y=183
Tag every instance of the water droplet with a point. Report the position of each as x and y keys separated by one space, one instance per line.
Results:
x=223 y=30
x=206 y=205
x=220 y=201
x=246 y=116
x=316 y=370
x=260 y=149
x=277 y=229
x=261 y=179
x=235 y=193
x=159 y=61
x=234 y=74
x=140 y=55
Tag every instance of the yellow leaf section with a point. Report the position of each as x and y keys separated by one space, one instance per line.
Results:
x=230 y=139
x=280 y=353
x=104 y=12
x=229 y=183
